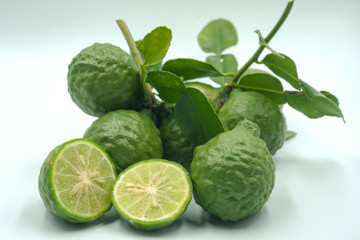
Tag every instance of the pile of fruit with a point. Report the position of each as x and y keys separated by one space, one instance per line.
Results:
x=160 y=139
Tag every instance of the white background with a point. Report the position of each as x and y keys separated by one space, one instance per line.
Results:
x=317 y=191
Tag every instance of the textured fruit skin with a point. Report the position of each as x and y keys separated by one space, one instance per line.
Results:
x=148 y=226
x=259 y=109
x=177 y=147
x=216 y=96
x=103 y=78
x=233 y=174
x=127 y=136
x=46 y=190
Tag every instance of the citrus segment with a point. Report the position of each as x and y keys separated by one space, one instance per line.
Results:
x=152 y=194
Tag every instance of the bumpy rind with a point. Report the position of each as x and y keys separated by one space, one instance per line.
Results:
x=233 y=174
x=103 y=78
x=259 y=109
x=127 y=136
x=177 y=147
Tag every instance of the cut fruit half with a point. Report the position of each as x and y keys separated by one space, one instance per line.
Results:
x=76 y=179
x=152 y=194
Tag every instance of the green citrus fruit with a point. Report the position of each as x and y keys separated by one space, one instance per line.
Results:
x=259 y=109
x=75 y=181
x=127 y=136
x=177 y=147
x=103 y=78
x=152 y=194
x=233 y=174
x=216 y=96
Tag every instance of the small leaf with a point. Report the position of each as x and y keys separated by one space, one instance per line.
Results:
x=217 y=36
x=283 y=67
x=196 y=117
x=309 y=90
x=155 y=45
x=290 y=135
x=331 y=96
x=226 y=63
x=322 y=103
x=264 y=83
x=169 y=86
x=326 y=106
x=302 y=103
x=156 y=67
x=252 y=71
x=262 y=42
x=191 y=69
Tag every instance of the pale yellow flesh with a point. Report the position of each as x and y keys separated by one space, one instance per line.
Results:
x=152 y=191
x=83 y=177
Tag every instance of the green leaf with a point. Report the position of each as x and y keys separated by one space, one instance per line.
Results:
x=252 y=71
x=265 y=84
x=155 y=45
x=331 y=96
x=283 y=67
x=302 y=103
x=226 y=63
x=191 y=69
x=322 y=103
x=156 y=67
x=169 y=86
x=263 y=43
x=290 y=135
x=196 y=117
x=309 y=90
x=217 y=36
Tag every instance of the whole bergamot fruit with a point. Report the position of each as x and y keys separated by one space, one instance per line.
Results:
x=103 y=78
x=259 y=109
x=216 y=96
x=177 y=147
x=233 y=174
x=127 y=136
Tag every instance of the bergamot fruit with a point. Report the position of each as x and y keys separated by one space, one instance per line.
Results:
x=233 y=174
x=152 y=194
x=177 y=147
x=75 y=181
x=127 y=136
x=259 y=109
x=103 y=78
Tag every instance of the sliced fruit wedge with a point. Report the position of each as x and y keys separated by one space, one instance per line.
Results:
x=76 y=179
x=152 y=194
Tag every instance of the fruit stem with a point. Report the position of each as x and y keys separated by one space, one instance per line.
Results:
x=138 y=60
x=267 y=39
x=131 y=43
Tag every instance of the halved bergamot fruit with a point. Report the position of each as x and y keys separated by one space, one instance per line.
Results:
x=75 y=181
x=152 y=194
